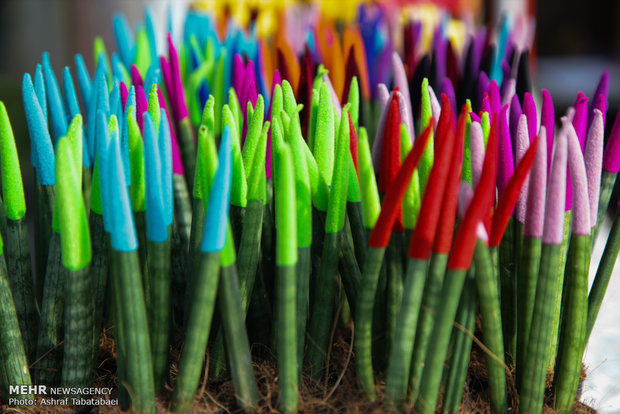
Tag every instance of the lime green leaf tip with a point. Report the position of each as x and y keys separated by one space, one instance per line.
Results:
x=257 y=179
x=253 y=135
x=318 y=186
x=12 y=186
x=74 y=234
x=228 y=256
x=354 y=100
x=303 y=193
x=411 y=201
x=324 y=134
x=208 y=114
x=206 y=163
x=233 y=103
x=239 y=191
x=75 y=134
x=286 y=215
x=290 y=104
x=153 y=106
x=371 y=206
x=136 y=162
x=336 y=207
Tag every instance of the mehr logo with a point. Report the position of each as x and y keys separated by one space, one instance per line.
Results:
x=28 y=389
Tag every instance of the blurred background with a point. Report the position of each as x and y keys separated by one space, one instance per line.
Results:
x=575 y=41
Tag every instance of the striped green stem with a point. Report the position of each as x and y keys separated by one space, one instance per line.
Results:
x=603 y=274
x=187 y=146
x=509 y=261
x=13 y=363
x=159 y=309
x=428 y=312
x=285 y=321
x=139 y=218
x=182 y=208
x=303 y=270
x=399 y=365
x=249 y=254
x=488 y=293
x=526 y=293
x=360 y=240
x=43 y=232
x=17 y=254
x=132 y=310
x=395 y=271
x=440 y=338
x=553 y=346
x=99 y=267
x=364 y=320
x=608 y=179
x=541 y=331
x=236 y=338
x=350 y=273
x=77 y=362
x=462 y=339
x=49 y=352
x=198 y=326
x=321 y=321
x=572 y=338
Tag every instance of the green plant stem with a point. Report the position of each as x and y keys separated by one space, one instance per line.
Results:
x=17 y=254
x=13 y=363
x=428 y=312
x=323 y=307
x=486 y=284
x=236 y=339
x=78 y=364
x=45 y=197
x=526 y=293
x=462 y=338
x=248 y=257
x=49 y=351
x=132 y=310
x=286 y=315
x=159 y=309
x=603 y=274
x=541 y=331
x=440 y=338
x=364 y=320
x=572 y=336
x=402 y=348
x=187 y=144
x=198 y=326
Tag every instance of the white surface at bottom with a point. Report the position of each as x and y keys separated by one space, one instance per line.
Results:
x=602 y=357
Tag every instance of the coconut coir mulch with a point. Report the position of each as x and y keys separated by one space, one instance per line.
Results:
x=337 y=393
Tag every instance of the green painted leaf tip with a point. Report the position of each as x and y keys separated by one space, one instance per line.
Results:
x=303 y=192
x=239 y=190
x=336 y=207
x=12 y=186
x=208 y=113
x=235 y=108
x=253 y=135
x=228 y=256
x=136 y=162
x=285 y=207
x=371 y=206
x=318 y=186
x=153 y=106
x=354 y=100
x=411 y=201
x=324 y=142
x=75 y=133
x=74 y=234
x=290 y=104
x=206 y=163
x=257 y=178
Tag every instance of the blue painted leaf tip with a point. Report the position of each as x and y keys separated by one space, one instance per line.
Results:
x=42 y=154
x=70 y=95
x=39 y=88
x=123 y=231
x=58 y=118
x=103 y=164
x=156 y=228
x=165 y=154
x=216 y=220
x=83 y=78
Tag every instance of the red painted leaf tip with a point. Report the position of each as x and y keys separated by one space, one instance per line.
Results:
x=380 y=235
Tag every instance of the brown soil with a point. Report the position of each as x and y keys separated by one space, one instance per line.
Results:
x=337 y=393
